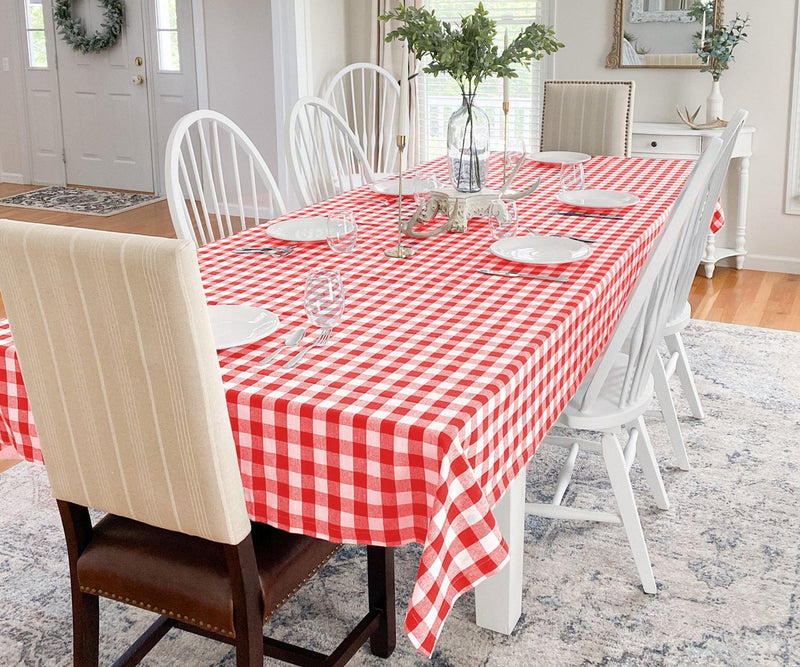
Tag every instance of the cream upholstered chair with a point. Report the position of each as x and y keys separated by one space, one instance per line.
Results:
x=325 y=157
x=366 y=96
x=118 y=360
x=681 y=312
x=217 y=181
x=618 y=390
x=594 y=117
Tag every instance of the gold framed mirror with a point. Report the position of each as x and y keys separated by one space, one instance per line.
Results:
x=660 y=33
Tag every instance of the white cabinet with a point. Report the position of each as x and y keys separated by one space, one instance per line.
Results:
x=675 y=140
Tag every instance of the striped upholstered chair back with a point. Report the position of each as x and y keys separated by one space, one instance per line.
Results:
x=594 y=117
x=118 y=360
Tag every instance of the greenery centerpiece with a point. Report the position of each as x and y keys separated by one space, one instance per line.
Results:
x=468 y=52
x=715 y=48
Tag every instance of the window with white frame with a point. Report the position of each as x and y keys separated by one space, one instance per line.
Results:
x=440 y=96
x=169 y=55
x=36 y=37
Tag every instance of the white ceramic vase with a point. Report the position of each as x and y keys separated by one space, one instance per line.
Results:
x=714 y=103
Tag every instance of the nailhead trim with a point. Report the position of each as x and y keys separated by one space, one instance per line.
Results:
x=164 y=612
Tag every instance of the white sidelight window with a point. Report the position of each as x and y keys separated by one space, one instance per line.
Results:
x=36 y=38
x=169 y=55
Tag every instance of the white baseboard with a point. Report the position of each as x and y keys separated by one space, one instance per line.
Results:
x=775 y=263
x=9 y=177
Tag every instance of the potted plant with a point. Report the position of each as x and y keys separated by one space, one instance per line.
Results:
x=468 y=53
x=715 y=49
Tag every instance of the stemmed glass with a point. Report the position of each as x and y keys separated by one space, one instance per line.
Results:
x=342 y=231
x=503 y=218
x=572 y=176
x=324 y=298
x=423 y=188
x=324 y=305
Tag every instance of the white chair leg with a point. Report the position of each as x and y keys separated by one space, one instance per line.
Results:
x=675 y=344
x=647 y=459
x=664 y=396
x=617 y=473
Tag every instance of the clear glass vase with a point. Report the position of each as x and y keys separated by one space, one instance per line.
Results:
x=468 y=146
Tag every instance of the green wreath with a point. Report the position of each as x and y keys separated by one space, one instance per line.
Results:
x=73 y=31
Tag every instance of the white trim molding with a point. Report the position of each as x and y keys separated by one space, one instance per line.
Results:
x=10 y=177
x=792 y=204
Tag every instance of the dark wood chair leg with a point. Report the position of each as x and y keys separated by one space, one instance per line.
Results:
x=248 y=610
x=380 y=574
x=85 y=629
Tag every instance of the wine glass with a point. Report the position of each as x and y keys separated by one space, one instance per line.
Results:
x=324 y=298
x=342 y=231
x=503 y=218
x=423 y=187
x=572 y=176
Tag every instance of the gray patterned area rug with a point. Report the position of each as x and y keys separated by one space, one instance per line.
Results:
x=80 y=200
x=725 y=555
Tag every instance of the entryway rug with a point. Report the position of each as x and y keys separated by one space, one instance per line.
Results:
x=726 y=555
x=80 y=200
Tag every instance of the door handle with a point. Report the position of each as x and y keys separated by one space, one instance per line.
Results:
x=137 y=79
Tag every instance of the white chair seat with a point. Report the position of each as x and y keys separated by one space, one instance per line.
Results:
x=605 y=412
x=679 y=322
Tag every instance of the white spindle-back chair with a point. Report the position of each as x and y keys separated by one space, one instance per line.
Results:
x=217 y=181
x=619 y=389
x=680 y=313
x=325 y=158
x=366 y=96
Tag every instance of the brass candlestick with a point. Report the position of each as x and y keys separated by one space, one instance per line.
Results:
x=400 y=251
x=505 y=139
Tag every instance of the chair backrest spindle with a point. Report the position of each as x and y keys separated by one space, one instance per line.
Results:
x=204 y=205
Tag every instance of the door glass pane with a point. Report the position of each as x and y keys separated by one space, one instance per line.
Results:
x=166 y=15
x=35 y=15
x=169 y=58
x=37 y=49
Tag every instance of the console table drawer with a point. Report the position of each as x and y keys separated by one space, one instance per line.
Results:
x=665 y=145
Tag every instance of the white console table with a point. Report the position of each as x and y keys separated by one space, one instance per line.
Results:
x=676 y=140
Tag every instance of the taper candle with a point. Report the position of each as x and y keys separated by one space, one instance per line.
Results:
x=505 y=78
x=402 y=117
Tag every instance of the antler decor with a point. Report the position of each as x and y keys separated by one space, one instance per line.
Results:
x=689 y=119
x=460 y=207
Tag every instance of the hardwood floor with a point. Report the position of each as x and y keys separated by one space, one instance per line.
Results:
x=754 y=298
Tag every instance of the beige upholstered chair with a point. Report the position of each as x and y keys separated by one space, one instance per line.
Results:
x=594 y=117
x=118 y=360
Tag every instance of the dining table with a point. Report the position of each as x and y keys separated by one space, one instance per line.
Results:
x=415 y=423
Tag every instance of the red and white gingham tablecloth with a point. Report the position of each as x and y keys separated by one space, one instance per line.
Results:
x=435 y=389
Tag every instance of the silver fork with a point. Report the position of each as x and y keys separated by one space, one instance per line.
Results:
x=321 y=341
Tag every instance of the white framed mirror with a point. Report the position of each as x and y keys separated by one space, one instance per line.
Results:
x=661 y=33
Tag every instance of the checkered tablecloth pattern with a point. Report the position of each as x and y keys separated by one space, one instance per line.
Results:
x=434 y=390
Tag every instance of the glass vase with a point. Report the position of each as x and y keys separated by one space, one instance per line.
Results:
x=468 y=146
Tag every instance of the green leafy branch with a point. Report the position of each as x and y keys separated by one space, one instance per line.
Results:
x=467 y=51
x=716 y=53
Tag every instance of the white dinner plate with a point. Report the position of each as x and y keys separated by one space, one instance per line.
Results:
x=411 y=186
x=598 y=198
x=311 y=228
x=559 y=157
x=540 y=249
x=239 y=325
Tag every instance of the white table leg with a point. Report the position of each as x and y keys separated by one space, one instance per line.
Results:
x=498 y=600
x=741 y=227
x=708 y=260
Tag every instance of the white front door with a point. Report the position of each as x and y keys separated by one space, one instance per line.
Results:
x=104 y=106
